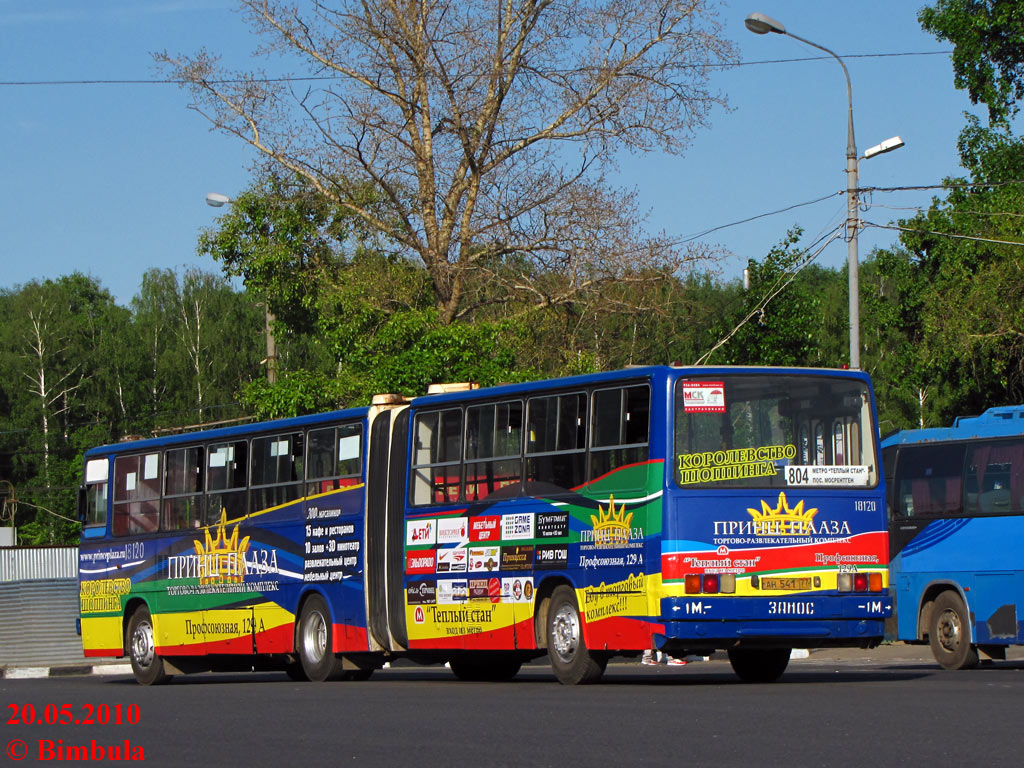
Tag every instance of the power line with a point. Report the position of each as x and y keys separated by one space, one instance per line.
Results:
x=690 y=238
x=780 y=284
x=945 y=185
x=321 y=78
x=973 y=238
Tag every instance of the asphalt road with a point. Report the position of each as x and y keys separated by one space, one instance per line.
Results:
x=836 y=708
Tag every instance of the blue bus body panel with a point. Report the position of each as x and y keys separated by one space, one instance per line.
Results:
x=980 y=557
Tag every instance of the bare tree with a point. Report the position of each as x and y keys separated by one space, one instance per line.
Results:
x=486 y=127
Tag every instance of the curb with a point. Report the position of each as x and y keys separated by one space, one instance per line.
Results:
x=30 y=673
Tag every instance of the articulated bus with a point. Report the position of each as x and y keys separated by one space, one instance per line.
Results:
x=680 y=509
x=956 y=506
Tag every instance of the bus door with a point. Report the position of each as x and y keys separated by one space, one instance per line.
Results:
x=334 y=527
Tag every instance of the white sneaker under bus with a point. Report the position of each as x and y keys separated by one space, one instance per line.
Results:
x=652 y=659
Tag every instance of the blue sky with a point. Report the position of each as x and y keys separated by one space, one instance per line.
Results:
x=110 y=180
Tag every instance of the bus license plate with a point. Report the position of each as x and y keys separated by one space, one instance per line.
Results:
x=790 y=584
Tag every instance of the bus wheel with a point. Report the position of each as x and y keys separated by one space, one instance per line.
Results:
x=485 y=666
x=759 y=665
x=571 y=662
x=948 y=633
x=314 y=642
x=147 y=666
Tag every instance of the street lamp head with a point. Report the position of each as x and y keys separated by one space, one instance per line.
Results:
x=886 y=146
x=760 y=24
x=216 y=200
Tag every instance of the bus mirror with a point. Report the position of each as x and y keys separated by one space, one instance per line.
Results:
x=82 y=511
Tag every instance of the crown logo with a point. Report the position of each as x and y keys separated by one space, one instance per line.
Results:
x=783 y=520
x=611 y=527
x=222 y=559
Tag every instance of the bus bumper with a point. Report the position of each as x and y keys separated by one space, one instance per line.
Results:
x=828 y=619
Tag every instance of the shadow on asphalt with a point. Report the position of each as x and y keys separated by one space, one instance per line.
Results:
x=617 y=675
x=816 y=670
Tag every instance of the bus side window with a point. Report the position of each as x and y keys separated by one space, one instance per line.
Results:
x=333 y=458
x=136 y=494
x=619 y=434
x=95 y=509
x=183 y=488
x=437 y=457
x=928 y=479
x=494 y=434
x=276 y=476
x=995 y=477
x=556 y=439
x=226 y=480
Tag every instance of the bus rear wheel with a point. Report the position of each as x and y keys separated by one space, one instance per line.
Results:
x=314 y=642
x=571 y=662
x=948 y=633
x=140 y=643
x=759 y=665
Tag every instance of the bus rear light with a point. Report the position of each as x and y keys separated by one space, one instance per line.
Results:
x=710 y=584
x=859 y=582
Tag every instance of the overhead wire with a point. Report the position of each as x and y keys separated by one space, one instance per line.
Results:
x=316 y=78
x=973 y=238
x=780 y=284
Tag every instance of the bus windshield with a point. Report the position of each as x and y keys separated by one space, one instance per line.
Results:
x=744 y=431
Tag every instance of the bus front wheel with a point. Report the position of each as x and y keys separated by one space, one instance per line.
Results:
x=949 y=632
x=759 y=665
x=571 y=662
x=315 y=643
x=140 y=643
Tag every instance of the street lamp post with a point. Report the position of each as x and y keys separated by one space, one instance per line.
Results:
x=762 y=25
x=216 y=200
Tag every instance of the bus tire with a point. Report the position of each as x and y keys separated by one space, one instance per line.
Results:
x=140 y=643
x=948 y=633
x=314 y=641
x=485 y=666
x=759 y=665
x=571 y=662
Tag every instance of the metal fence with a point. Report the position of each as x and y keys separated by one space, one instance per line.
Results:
x=33 y=563
x=39 y=607
x=38 y=623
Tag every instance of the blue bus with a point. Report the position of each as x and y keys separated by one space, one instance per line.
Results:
x=956 y=529
x=665 y=508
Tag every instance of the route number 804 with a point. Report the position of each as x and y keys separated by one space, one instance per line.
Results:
x=796 y=475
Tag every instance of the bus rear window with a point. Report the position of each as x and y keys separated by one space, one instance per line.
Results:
x=756 y=431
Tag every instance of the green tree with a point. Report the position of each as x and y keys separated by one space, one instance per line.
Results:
x=58 y=341
x=988 y=55
x=198 y=341
x=958 y=283
x=788 y=316
x=351 y=319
